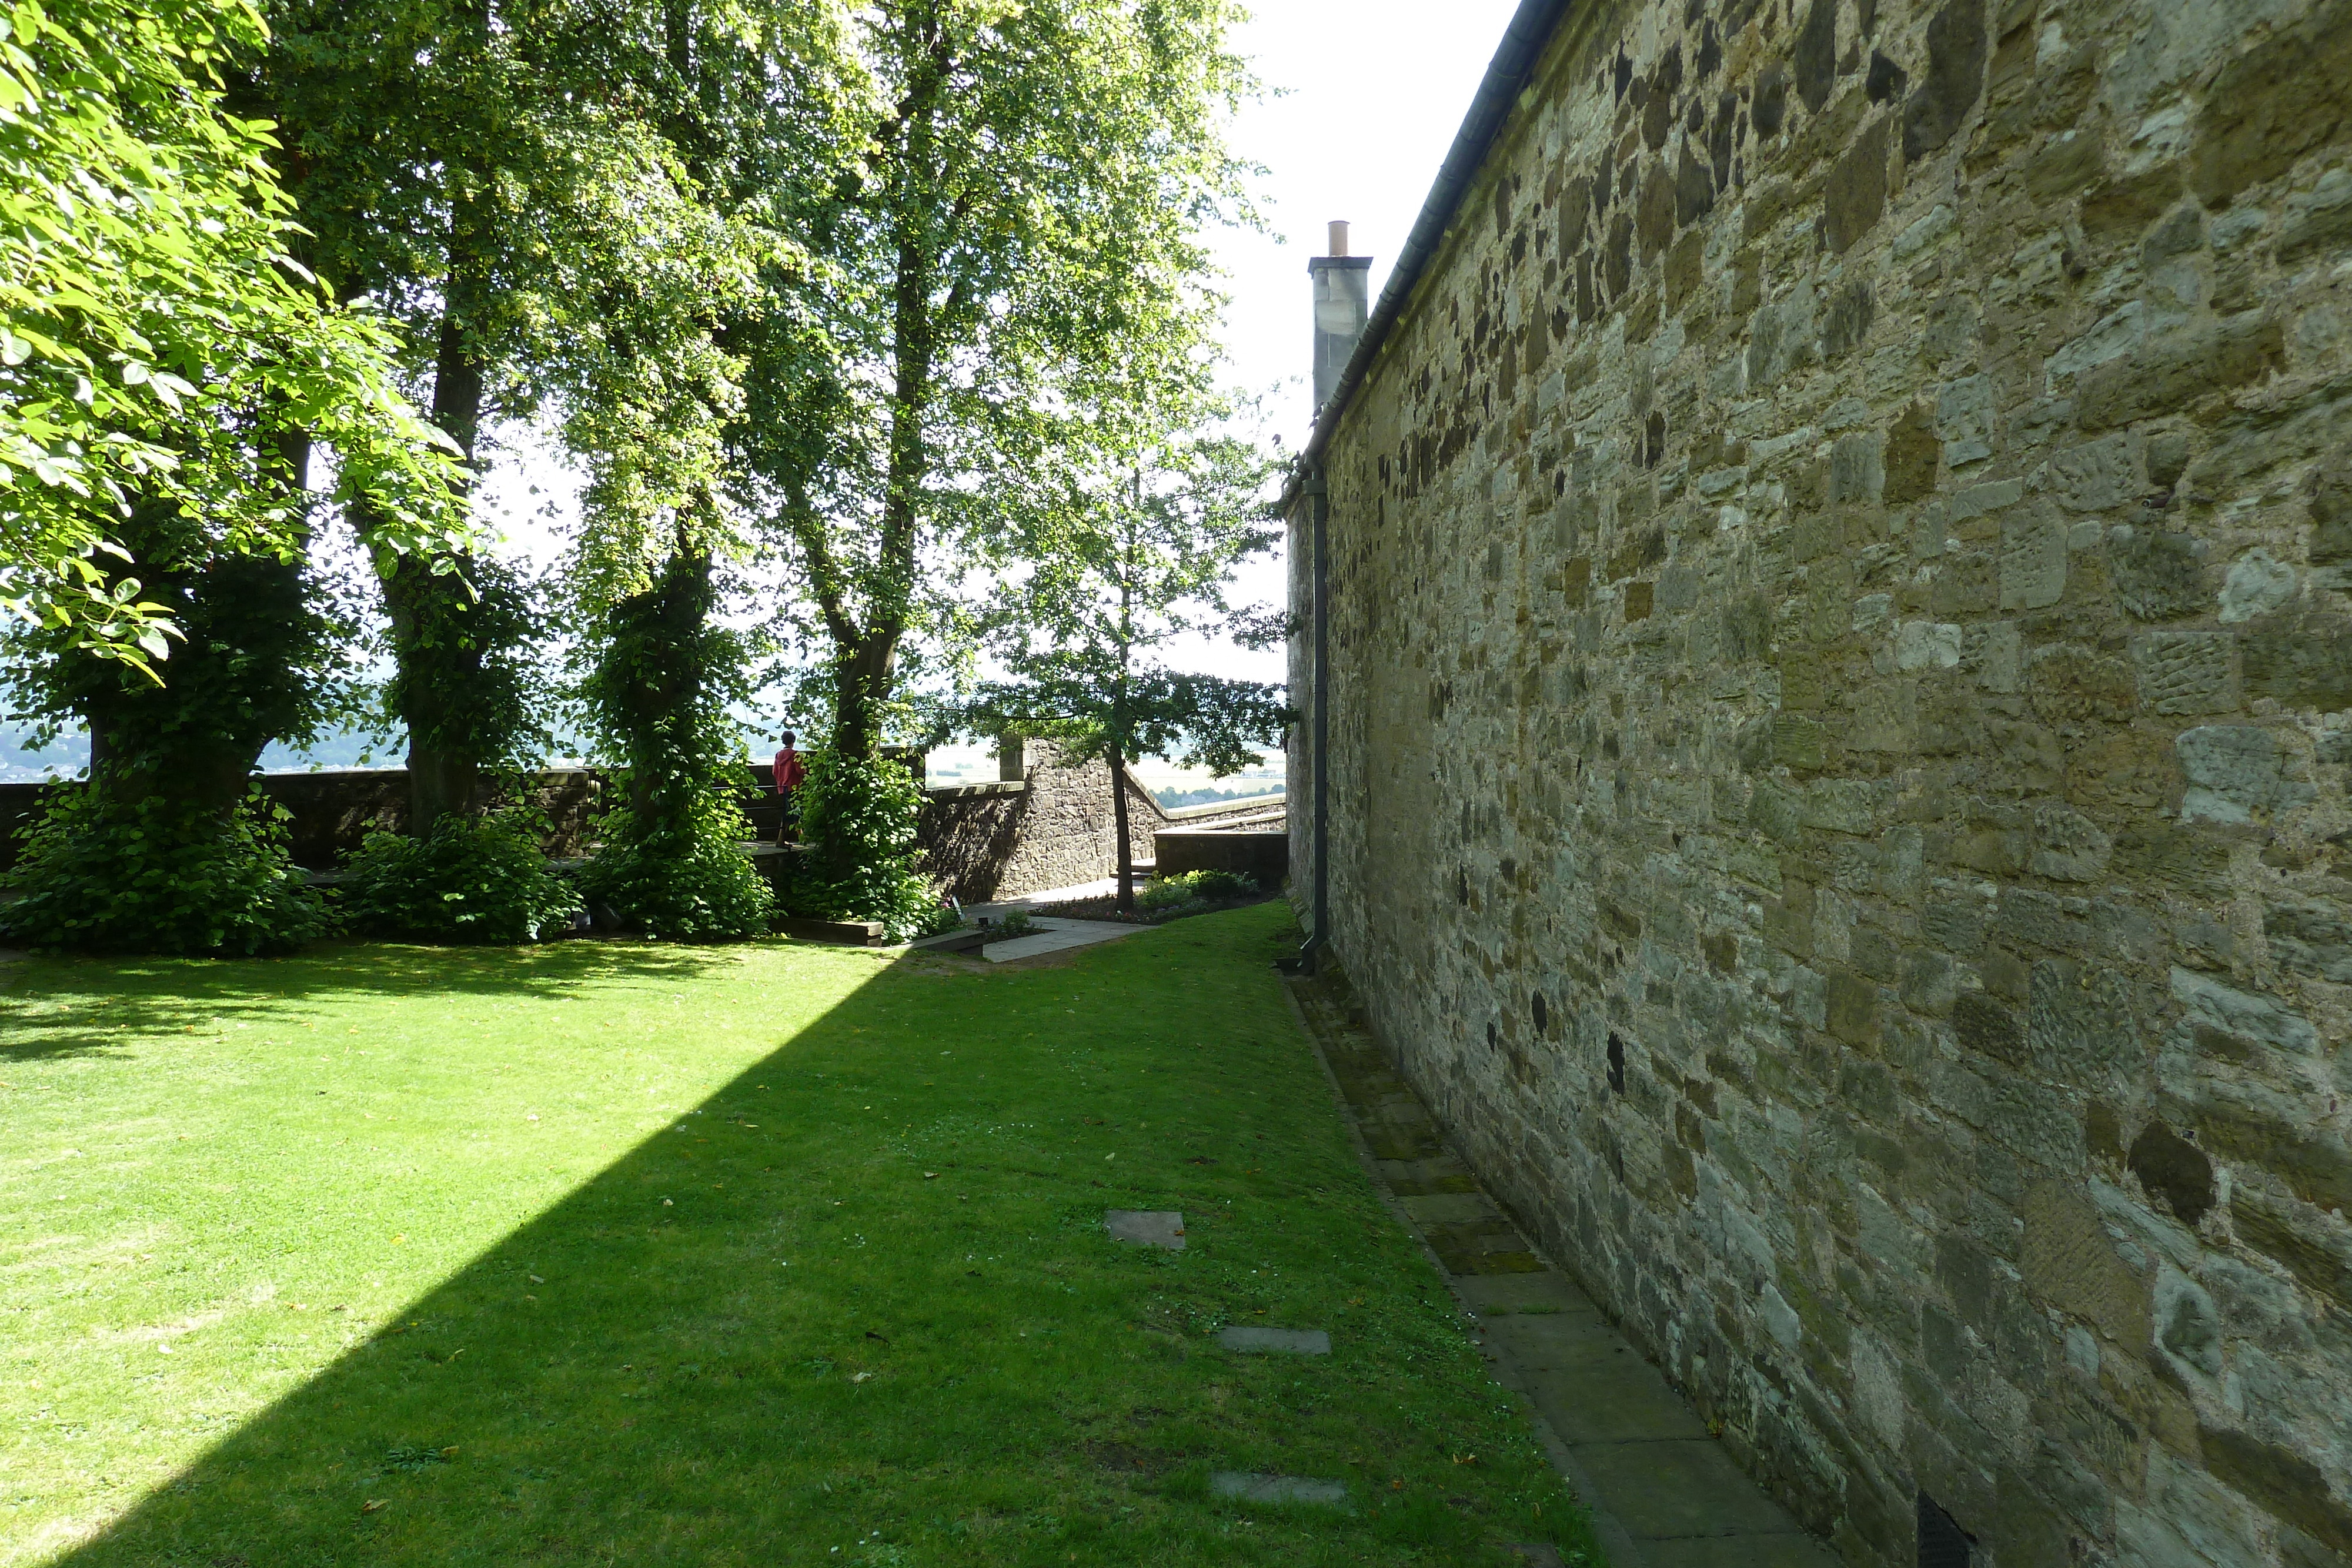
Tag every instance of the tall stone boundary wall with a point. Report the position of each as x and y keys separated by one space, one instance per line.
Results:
x=1838 y=743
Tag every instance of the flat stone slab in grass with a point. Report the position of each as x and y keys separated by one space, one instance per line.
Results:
x=1277 y=1342
x=1152 y=1227
x=1251 y=1488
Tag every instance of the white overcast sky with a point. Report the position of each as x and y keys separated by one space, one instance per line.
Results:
x=1362 y=102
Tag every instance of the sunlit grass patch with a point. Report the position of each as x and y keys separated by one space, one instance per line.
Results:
x=761 y=1255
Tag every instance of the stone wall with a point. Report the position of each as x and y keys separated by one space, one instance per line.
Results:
x=1838 y=743
x=1050 y=828
x=333 y=809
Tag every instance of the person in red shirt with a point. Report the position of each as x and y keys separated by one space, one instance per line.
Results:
x=790 y=771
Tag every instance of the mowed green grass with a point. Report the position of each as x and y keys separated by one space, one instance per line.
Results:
x=603 y=1253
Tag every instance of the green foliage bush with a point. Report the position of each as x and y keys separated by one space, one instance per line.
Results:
x=467 y=880
x=658 y=687
x=154 y=875
x=686 y=879
x=1194 y=887
x=859 y=819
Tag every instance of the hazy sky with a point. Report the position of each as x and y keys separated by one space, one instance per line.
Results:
x=1364 y=101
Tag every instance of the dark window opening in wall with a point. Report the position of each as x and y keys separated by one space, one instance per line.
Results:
x=1616 y=1064
x=1942 y=1543
x=1494 y=1035
x=1542 y=1013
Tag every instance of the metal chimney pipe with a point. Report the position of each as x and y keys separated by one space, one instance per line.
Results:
x=1339 y=237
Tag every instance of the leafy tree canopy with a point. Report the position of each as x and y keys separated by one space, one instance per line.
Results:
x=1006 y=276
x=157 y=336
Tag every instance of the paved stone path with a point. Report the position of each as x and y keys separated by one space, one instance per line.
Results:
x=1663 y=1493
x=1057 y=935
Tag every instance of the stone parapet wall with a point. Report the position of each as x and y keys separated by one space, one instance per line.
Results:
x=1838 y=743
x=985 y=840
x=333 y=809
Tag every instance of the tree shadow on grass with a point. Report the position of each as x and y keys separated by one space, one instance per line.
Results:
x=768 y=1335
x=53 y=1008
x=616 y=1381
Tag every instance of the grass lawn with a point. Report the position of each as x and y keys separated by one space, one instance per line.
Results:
x=775 y=1254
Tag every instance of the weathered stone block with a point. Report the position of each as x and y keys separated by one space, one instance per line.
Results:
x=2311 y=937
x=1982 y=1025
x=2179 y=368
x=1965 y=417
x=2095 y=476
x=1857 y=468
x=2257 y=583
x=2303 y=664
x=2269 y=106
x=1949 y=84
x=2069 y=1263
x=2080 y=1024
x=1911 y=455
x=2184 y=672
x=2234 y=774
x=1856 y=194
x=2157 y=576
x=1852 y=1008
x=2033 y=560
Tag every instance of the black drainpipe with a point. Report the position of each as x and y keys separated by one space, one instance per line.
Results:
x=1318 y=518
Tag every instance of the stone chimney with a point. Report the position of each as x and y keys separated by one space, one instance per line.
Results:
x=1342 y=301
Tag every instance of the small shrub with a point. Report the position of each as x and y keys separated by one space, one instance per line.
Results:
x=687 y=879
x=160 y=876
x=940 y=919
x=469 y=881
x=1194 y=887
x=859 y=819
x=1016 y=923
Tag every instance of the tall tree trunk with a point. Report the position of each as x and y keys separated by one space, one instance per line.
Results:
x=665 y=681
x=445 y=754
x=1119 y=828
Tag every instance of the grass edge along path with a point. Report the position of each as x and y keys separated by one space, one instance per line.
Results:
x=774 y=1254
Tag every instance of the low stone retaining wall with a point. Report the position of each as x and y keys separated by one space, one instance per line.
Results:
x=1263 y=857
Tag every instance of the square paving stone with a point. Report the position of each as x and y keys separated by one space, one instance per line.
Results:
x=1282 y=1341
x=1150 y=1226
x=1679 y=1489
x=1737 y=1552
x=1421 y=1178
x=1251 y=1488
x=1450 y=1208
x=1550 y=1293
